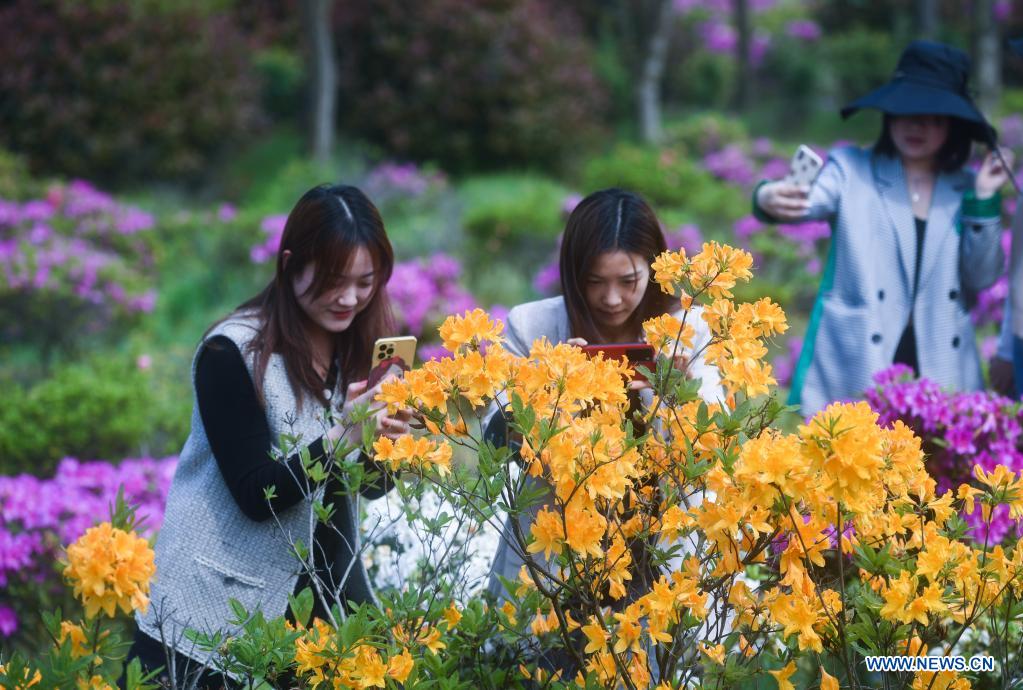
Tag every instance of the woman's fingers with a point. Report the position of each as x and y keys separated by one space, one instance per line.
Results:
x=392 y=427
x=356 y=388
x=578 y=342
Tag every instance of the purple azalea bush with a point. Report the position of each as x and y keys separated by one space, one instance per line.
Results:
x=76 y=252
x=959 y=430
x=38 y=517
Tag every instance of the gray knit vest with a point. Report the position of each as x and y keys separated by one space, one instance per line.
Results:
x=208 y=551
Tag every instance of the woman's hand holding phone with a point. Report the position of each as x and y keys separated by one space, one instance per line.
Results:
x=389 y=426
x=784 y=200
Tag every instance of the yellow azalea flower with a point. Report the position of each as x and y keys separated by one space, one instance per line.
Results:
x=828 y=681
x=310 y=659
x=782 y=676
x=669 y=269
x=110 y=568
x=74 y=633
x=452 y=615
x=674 y=522
x=508 y=609
x=715 y=653
x=897 y=596
x=417 y=452
x=846 y=448
x=603 y=665
x=667 y=334
x=470 y=329
x=369 y=669
x=585 y=529
x=400 y=666
x=638 y=670
x=547 y=532
x=596 y=635
x=929 y=601
x=432 y=641
x=764 y=317
x=93 y=683
x=629 y=629
x=798 y=614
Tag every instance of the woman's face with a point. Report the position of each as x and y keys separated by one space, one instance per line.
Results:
x=615 y=287
x=919 y=137
x=336 y=308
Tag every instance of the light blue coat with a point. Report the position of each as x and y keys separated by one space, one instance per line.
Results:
x=866 y=293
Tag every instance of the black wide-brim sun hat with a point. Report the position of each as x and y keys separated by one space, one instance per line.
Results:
x=930 y=79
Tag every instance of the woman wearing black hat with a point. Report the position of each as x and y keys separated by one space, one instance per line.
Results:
x=914 y=236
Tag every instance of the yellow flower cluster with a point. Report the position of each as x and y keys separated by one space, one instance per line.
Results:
x=739 y=490
x=738 y=331
x=322 y=660
x=421 y=453
x=110 y=568
x=24 y=683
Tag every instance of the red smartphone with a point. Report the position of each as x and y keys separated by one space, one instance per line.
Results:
x=636 y=354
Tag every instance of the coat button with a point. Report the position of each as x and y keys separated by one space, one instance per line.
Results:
x=880 y=295
x=955 y=341
x=953 y=295
x=876 y=338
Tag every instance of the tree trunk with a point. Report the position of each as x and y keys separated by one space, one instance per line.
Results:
x=927 y=19
x=989 y=63
x=740 y=8
x=322 y=71
x=649 y=89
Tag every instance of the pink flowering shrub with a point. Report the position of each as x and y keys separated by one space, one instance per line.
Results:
x=959 y=430
x=75 y=261
x=38 y=517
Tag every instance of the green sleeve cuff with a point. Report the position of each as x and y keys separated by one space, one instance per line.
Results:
x=981 y=208
x=758 y=212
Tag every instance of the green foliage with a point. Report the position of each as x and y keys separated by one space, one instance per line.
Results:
x=205 y=272
x=666 y=177
x=471 y=85
x=861 y=60
x=706 y=131
x=112 y=92
x=510 y=215
x=15 y=182
x=102 y=407
x=283 y=78
x=704 y=79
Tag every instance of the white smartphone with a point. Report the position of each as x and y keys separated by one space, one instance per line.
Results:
x=393 y=354
x=804 y=168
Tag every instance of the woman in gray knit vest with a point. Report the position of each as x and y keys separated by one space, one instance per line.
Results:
x=289 y=361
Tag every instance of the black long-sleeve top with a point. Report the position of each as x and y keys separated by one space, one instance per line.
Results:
x=240 y=438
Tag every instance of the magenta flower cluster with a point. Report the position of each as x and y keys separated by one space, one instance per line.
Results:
x=80 y=243
x=391 y=180
x=959 y=430
x=424 y=291
x=40 y=516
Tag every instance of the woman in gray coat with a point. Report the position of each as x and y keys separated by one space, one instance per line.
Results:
x=914 y=236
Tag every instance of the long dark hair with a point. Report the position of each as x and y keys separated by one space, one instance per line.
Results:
x=952 y=155
x=607 y=221
x=326 y=227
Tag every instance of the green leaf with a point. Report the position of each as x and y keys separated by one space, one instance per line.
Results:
x=301 y=606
